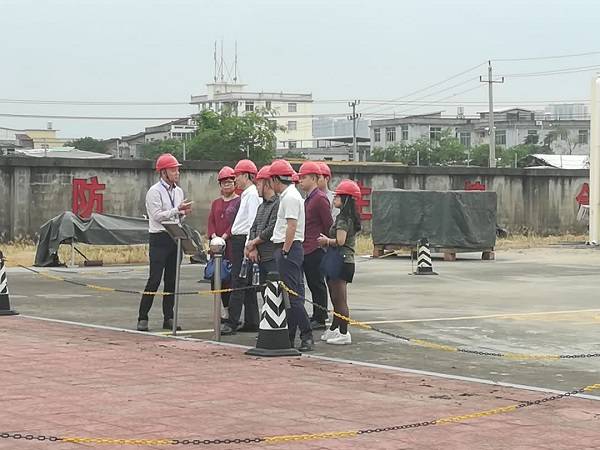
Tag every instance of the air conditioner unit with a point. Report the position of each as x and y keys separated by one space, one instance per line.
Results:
x=539 y=123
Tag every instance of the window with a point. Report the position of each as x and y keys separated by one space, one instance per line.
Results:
x=531 y=132
x=435 y=133
x=583 y=136
x=268 y=105
x=390 y=134
x=292 y=144
x=404 y=129
x=292 y=125
x=465 y=138
x=377 y=134
x=292 y=107
x=564 y=135
x=249 y=106
x=500 y=137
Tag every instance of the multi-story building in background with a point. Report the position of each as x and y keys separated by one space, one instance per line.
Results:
x=513 y=126
x=291 y=111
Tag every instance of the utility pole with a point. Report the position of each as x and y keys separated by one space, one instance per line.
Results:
x=490 y=81
x=354 y=117
x=184 y=148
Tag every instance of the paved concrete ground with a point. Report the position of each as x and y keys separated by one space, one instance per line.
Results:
x=66 y=380
x=532 y=301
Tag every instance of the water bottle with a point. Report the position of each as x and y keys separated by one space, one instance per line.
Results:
x=244 y=268
x=255 y=275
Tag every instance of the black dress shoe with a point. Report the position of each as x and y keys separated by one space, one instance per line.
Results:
x=168 y=325
x=226 y=330
x=316 y=325
x=248 y=328
x=306 y=345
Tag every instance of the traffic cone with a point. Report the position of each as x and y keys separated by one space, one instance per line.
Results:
x=4 y=299
x=424 y=263
x=273 y=335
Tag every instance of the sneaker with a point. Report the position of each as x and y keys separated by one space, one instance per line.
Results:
x=340 y=339
x=142 y=325
x=328 y=334
x=306 y=345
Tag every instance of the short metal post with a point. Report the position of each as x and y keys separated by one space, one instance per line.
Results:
x=176 y=295
x=217 y=303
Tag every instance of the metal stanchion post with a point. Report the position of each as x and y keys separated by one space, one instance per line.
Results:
x=177 y=271
x=217 y=247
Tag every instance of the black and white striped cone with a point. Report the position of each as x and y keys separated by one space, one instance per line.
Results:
x=4 y=299
x=273 y=334
x=424 y=263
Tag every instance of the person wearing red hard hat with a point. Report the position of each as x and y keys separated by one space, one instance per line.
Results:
x=318 y=221
x=324 y=180
x=288 y=236
x=245 y=171
x=220 y=219
x=164 y=202
x=338 y=265
x=259 y=248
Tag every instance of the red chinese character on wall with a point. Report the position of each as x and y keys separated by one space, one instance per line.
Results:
x=583 y=198
x=86 y=197
x=364 y=202
x=477 y=186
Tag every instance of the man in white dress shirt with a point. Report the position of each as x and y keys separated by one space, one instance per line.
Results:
x=164 y=202
x=245 y=172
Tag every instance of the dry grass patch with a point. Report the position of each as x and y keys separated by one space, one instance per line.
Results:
x=23 y=253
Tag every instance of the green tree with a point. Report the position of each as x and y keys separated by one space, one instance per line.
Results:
x=88 y=144
x=386 y=154
x=151 y=150
x=227 y=137
x=518 y=152
x=480 y=155
x=447 y=150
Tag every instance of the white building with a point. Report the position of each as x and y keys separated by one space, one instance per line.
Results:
x=514 y=126
x=292 y=111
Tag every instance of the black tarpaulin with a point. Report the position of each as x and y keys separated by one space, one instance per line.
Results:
x=449 y=219
x=99 y=229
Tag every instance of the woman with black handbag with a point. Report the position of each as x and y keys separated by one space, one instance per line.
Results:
x=338 y=263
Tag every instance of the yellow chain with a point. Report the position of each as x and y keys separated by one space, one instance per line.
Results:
x=314 y=436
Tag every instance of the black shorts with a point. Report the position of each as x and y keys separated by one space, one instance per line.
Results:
x=347 y=273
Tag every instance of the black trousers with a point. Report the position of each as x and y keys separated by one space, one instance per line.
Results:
x=316 y=283
x=163 y=258
x=247 y=297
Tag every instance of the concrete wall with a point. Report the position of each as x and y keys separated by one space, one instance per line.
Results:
x=35 y=190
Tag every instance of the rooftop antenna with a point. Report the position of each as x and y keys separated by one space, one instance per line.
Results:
x=235 y=65
x=222 y=63
x=215 y=59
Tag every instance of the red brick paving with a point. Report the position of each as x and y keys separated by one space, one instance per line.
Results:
x=60 y=379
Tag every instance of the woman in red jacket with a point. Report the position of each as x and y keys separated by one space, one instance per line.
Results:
x=222 y=214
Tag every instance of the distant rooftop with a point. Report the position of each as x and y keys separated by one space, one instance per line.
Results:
x=61 y=152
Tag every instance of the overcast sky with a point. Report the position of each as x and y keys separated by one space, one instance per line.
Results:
x=162 y=51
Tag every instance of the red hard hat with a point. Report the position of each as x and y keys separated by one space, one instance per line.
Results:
x=245 y=166
x=295 y=178
x=310 y=168
x=348 y=187
x=264 y=173
x=325 y=170
x=226 y=172
x=281 y=168
x=166 y=161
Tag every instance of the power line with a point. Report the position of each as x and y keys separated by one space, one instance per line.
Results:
x=537 y=58
x=410 y=94
x=564 y=70
x=88 y=102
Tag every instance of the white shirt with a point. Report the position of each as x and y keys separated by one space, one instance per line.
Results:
x=162 y=203
x=291 y=206
x=334 y=211
x=249 y=201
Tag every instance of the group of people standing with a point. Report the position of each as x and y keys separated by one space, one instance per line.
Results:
x=281 y=221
